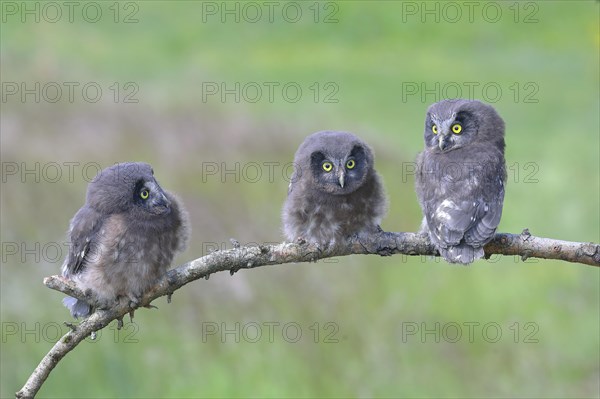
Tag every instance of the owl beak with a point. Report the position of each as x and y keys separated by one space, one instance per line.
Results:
x=341 y=176
x=161 y=204
x=442 y=142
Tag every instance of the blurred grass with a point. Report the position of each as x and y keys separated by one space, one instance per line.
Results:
x=369 y=54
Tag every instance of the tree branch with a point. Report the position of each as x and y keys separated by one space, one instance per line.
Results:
x=382 y=243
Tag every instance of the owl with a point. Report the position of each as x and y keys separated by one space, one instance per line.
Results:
x=124 y=238
x=334 y=191
x=460 y=177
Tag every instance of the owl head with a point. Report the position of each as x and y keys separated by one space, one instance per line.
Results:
x=337 y=163
x=452 y=124
x=128 y=187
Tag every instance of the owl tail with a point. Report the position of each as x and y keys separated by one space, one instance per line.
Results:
x=463 y=254
x=77 y=307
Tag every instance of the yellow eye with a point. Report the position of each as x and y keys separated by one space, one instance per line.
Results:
x=327 y=166
x=456 y=128
x=144 y=194
x=350 y=164
x=434 y=129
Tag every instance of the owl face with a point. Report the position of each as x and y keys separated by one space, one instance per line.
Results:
x=128 y=187
x=150 y=197
x=334 y=162
x=450 y=129
x=339 y=172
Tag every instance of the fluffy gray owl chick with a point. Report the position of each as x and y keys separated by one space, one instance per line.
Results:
x=334 y=191
x=460 y=177
x=125 y=236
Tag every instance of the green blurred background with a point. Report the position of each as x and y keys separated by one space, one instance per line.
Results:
x=370 y=326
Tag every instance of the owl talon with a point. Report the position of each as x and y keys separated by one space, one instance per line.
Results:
x=364 y=239
x=119 y=323
x=327 y=246
x=107 y=305
x=72 y=326
x=313 y=256
x=384 y=251
x=133 y=303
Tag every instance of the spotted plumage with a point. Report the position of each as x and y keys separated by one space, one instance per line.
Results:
x=334 y=192
x=125 y=236
x=461 y=176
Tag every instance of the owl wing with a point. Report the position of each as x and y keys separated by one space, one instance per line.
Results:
x=475 y=221
x=486 y=221
x=83 y=234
